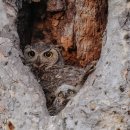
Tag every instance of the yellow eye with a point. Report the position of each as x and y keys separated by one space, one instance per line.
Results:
x=70 y=91
x=48 y=54
x=31 y=53
x=60 y=95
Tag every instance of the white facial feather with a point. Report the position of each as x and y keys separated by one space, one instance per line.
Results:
x=64 y=89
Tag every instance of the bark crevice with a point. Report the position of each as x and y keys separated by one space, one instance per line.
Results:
x=103 y=102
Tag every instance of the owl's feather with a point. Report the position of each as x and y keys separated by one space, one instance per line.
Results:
x=47 y=64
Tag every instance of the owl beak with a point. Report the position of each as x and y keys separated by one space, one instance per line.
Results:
x=38 y=63
x=60 y=102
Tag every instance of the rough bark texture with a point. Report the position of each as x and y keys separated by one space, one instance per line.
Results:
x=102 y=104
x=77 y=26
x=22 y=102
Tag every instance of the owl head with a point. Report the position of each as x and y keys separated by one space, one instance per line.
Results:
x=43 y=55
x=63 y=94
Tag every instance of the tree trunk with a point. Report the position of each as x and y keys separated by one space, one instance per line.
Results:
x=104 y=101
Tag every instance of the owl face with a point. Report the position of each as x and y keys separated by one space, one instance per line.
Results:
x=63 y=94
x=42 y=55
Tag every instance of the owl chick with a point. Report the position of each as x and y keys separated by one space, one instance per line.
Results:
x=62 y=95
x=47 y=64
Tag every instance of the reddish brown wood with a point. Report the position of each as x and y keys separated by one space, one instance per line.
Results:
x=79 y=29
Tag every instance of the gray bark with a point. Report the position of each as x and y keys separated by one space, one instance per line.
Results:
x=102 y=104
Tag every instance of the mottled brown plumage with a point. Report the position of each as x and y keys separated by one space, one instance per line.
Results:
x=62 y=95
x=47 y=64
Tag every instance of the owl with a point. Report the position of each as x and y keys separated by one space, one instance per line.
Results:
x=41 y=55
x=48 y=66
x=62 y=95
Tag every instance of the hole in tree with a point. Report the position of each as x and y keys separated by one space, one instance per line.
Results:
x=35 y=24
